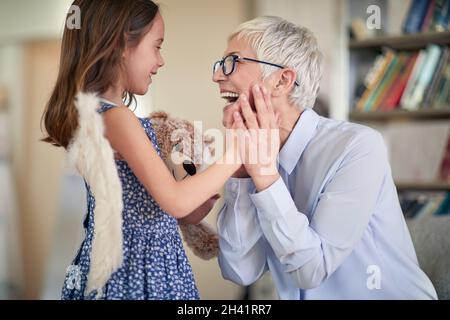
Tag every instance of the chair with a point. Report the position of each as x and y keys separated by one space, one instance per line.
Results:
x=431 y=238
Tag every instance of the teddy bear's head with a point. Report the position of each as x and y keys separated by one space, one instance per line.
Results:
x=186 y=152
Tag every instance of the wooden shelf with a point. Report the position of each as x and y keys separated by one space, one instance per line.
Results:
x=424 y=114
x=403 y=42
x=421 y=186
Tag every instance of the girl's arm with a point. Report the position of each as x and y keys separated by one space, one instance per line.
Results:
x=178 y=198
x=196 y=216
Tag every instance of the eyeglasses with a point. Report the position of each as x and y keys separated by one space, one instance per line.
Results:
x=228 y=64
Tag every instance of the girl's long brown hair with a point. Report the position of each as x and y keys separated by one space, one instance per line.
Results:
x=91 y=56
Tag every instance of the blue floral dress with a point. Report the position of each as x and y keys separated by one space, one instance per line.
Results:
x=155 y=265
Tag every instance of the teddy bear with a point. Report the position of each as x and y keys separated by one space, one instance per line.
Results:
x=187 y=152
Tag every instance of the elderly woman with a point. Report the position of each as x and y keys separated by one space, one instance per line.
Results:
x=327 y=224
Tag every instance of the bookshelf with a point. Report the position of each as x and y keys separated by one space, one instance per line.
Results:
x=402 y=42
x=392 y=72
x=421 y=186
x=381 y=116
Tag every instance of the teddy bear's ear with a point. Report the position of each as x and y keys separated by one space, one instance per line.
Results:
x=159 y=115
x=208 y=139
x=209 y=142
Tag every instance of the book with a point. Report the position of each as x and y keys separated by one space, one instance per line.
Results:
x=425 y=76
x=416 y=15
x=444 y=172
x=428 y=17
x=375 y=76
x=380 y=89
x=441 y=100
x=444 y=208
x=393 y=99
x=432 y=91
x=392 y=82
x=432 y=205
x=411 y=80
x=423 y=205
x=440 y=18
x=410 y=86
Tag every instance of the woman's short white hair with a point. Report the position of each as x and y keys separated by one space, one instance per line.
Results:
x=279 y=41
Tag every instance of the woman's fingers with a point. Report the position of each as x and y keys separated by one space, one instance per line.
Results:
x=228 y=114
x=248 y=114
x=261 y=107
x=241 y=134
x=271 y=116
x=258 y=97
x=267 y=100
x=238 y=122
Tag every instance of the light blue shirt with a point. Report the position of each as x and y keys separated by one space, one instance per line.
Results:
x=330 y=228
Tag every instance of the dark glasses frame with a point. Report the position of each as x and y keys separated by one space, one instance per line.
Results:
x=221 y=63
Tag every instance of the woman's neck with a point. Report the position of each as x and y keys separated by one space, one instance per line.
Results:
x=289 y=116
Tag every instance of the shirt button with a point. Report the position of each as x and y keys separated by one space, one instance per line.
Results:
x=234 y=186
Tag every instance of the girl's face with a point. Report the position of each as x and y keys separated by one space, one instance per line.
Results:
x=144 y=60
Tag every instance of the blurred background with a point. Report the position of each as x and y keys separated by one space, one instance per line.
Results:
x=372 y=75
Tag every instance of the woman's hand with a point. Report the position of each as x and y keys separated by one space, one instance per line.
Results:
x=259 y=138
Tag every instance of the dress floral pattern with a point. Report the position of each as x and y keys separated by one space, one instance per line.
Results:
x=155 y=265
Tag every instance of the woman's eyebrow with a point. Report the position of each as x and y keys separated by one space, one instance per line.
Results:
x=231 y=53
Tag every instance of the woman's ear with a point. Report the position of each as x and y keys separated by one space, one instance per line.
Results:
x=285 y=81
x=288 y=78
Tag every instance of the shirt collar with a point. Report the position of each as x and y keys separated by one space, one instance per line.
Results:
x=298 y=140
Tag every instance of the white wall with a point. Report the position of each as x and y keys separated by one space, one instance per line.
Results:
x=29 y=19
x=22 y=22
x=11 y=78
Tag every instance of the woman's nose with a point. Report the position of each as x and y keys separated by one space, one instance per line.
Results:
x=218 y=75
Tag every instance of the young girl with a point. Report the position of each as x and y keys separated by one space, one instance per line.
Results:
x=115 y=54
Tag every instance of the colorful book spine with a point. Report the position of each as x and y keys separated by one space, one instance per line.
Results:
x=441 y=13
x=380 y=67
x=428 y=17
x=432 y=91
x=394 y=97
x=368 y=106
x=444 y=173
x=426 y=74
x=404 y=102
x=416 y=15
x=390 y=82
